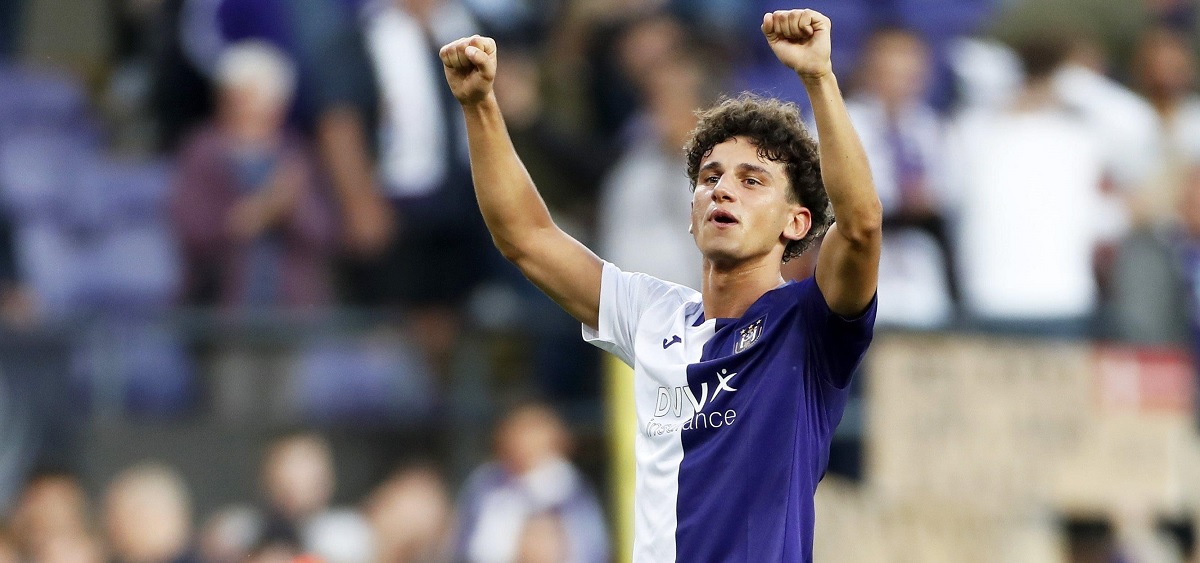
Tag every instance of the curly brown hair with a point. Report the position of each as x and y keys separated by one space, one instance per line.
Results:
x=776 y=129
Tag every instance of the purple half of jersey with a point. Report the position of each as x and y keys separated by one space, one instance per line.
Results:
x=746 y=490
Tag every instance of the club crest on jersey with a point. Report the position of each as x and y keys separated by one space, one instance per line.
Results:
x=748 y=335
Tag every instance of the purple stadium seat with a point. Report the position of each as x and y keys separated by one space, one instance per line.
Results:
x=363 y=380
x=159 y=376
x=137 y=192
x=135 y=365
x=36 y=98
x=128 y=269
x=92 y=235
x=47 y=260
x=111 y=194
x=37 y=172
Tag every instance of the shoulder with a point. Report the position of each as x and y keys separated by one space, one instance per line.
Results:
x=813 y=307
x=646 y=288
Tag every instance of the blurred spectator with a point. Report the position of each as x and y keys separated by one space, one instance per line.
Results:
x=1156 y=299
x=74 y=549
x=299 y=480
x=253 y=227
x=1029 y=177
x=148 y=515
x=335 y=102
x=531 y=476
x=543 y=540
x=411 y=516
x=442 y=252
x=622 y=54
x=1126 y=131
x=1165 y=71
x=341 y=106
x=986 y=72
x=230 y=535
x=646 y=199
x=1123 y=124
x=905 y=142
x=52 y=507
x=278 y=552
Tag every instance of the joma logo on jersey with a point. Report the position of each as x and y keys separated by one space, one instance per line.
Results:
x=749 y=335
x=671 y=399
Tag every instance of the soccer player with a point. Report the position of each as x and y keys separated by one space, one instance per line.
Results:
x=738 y=387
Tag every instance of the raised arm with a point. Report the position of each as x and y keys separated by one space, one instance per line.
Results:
x=515 y=214
x=848 y=264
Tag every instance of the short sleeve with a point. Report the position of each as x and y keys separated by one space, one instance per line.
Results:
x=836 y=344
x=624 y=296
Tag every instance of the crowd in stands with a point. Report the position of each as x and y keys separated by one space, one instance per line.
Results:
x=527 y=505
x=260 y=155
x=290 y=158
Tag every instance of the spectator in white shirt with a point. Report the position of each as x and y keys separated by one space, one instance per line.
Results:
x=1030 y=178
x=1165 y=73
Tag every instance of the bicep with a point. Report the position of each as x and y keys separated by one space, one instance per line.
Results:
x=848 y=271
x=565 y=270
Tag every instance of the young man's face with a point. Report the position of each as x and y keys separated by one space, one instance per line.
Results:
x=741 y=209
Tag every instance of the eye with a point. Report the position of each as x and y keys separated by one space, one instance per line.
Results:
x=712 y=179
x=753 y=181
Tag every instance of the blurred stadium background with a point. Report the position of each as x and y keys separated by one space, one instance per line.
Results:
x=248 y=309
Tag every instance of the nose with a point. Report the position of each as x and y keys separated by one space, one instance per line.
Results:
x=722 y=192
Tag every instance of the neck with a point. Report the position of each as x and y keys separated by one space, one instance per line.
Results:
x=1037 y=95
x=728 y=292
x=1165 y=104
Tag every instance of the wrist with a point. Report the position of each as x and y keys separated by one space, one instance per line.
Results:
x=485 y=104
x=818 y=79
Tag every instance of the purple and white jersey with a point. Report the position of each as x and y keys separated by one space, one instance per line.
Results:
x=735 y=416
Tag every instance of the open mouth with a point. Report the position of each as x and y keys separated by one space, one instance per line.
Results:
x=722 y=217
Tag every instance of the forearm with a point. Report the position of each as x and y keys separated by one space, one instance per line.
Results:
x=344 y=152
x=844 y=167
x=514 y=212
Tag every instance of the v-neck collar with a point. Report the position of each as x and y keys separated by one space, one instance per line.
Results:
x=725 y=321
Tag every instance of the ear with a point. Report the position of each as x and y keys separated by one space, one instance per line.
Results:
x=798 y=223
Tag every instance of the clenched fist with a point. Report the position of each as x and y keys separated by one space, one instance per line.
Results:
x=800 y=39
x=470 y=65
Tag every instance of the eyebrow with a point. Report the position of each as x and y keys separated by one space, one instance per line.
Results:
x=744 y=167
